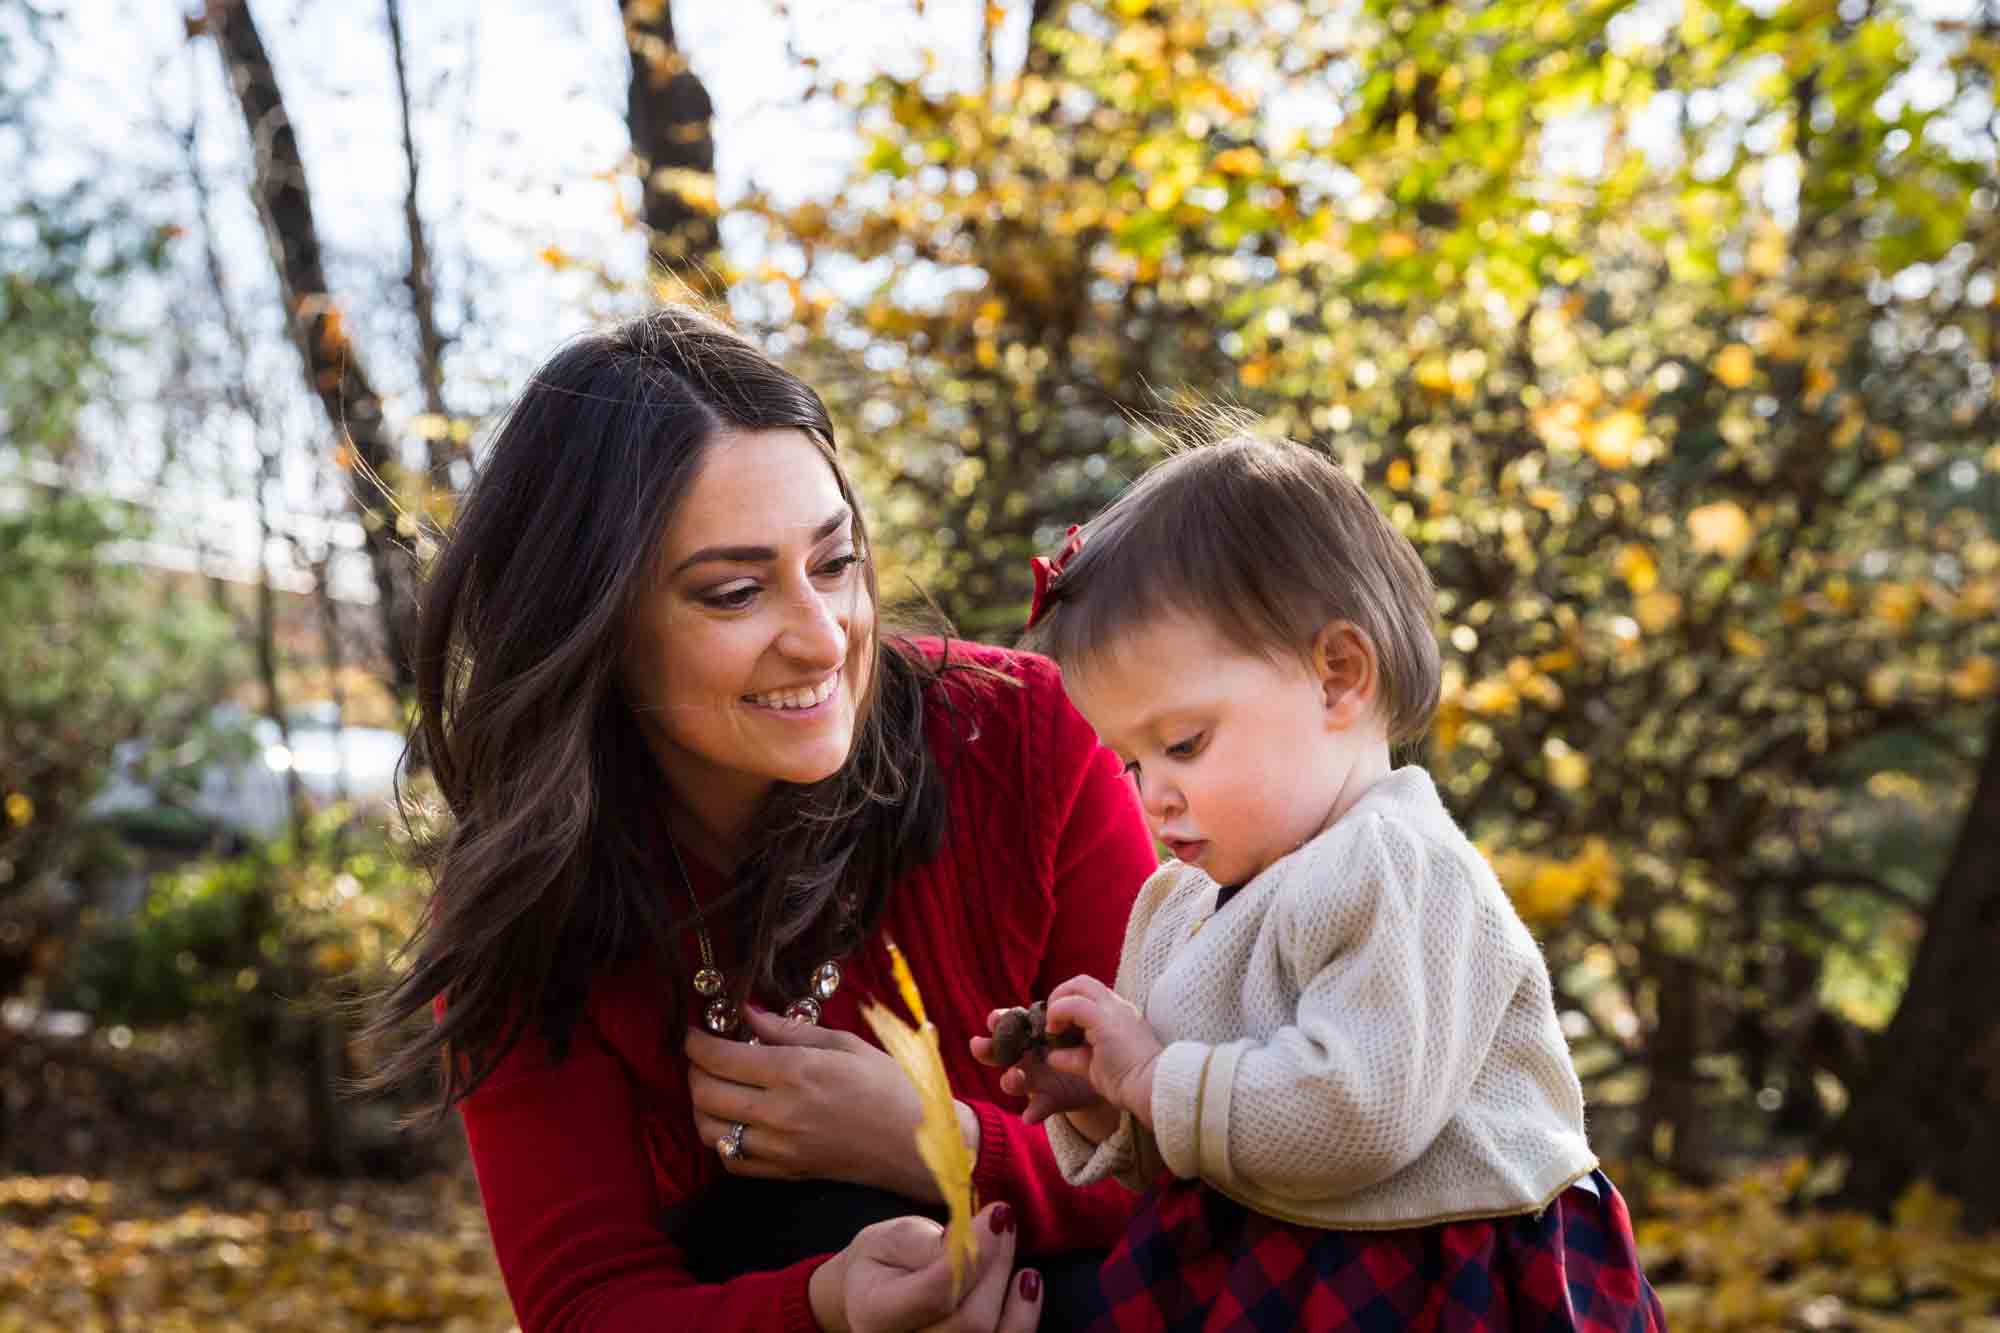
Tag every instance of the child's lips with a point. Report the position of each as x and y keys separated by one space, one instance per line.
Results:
x=1186 y=849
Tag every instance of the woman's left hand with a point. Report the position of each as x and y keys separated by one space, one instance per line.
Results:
x=815 y=1103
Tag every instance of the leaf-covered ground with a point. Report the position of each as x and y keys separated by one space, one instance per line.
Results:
x=184 y=1251
x=176 y=1251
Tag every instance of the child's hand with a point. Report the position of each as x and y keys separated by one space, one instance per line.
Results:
x=1047 y=1090
x=1120 y=1049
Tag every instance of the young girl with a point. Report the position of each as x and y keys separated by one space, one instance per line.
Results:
x=1331 y=1061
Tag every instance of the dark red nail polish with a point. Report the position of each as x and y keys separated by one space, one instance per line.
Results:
x=1031 y=1285
x=1003 y=1219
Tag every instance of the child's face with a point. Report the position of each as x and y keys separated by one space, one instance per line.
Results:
x=1237 y=758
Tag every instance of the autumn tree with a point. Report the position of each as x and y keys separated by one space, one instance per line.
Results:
x=1694 y=434
x=673 y=146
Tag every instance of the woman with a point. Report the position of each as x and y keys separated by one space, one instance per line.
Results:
x=696 y=789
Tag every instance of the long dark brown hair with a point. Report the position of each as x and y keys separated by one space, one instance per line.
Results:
x=557 y=864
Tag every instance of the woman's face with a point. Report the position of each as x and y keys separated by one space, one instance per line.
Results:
x=747 y=657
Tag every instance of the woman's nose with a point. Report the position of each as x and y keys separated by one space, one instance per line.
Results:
x=816 y=629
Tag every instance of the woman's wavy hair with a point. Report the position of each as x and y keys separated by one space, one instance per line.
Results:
x=556 y=865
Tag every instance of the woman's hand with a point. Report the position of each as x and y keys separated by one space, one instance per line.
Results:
x=1047 y=1091
x=1119 y=1050
x=896 y=1276
x=815 y=1104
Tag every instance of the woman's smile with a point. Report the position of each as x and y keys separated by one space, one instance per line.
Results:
x=798 y=702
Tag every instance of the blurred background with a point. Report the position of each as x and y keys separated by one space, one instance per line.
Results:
x=1665 y=328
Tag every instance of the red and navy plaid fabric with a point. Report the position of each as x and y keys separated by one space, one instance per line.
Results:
x=1194 y=1259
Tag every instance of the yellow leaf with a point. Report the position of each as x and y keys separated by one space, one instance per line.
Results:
x=1242 y=161
x=696 y=188
x=1398 y=245
x=555 y=257
x=1720 y=529
x=1493 y=698
x=20 y=810
x=1568 y=769
x=1975 y=678
x=1743 y=643
x=1895 y=605
x=1399 y=475
x=940 y=1143
x=1656 y=611
x=1635 y=565
x=1734 y=365
x=1610 y=438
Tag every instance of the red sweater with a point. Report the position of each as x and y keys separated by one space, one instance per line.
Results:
x=1044 y=852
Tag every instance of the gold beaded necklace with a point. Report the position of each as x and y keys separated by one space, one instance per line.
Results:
x=720 y=1015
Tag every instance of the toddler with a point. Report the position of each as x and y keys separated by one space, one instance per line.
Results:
x=1331 y=1060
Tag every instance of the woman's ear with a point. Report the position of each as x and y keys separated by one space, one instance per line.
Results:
x=1349 y=674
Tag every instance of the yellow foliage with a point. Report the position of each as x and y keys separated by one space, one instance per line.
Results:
x=1636 y=566
x=1734 y=365
x=20 y=810
x=1656 y=610
x=1546 y=889
x=1720 y=529
x=1753 y=1253
x=1611 y=439
x=1975 y=678
x=1895 y=605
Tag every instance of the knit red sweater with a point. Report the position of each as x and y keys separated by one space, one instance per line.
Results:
x=1044 y=852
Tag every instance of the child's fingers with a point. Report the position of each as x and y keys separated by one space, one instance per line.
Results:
x=982 y=1050
x=1073 y=1011
x=993 y=1017
x=1014 y=1083
x=1084 y=985
x=1039 y=1108
x=1074 y=1061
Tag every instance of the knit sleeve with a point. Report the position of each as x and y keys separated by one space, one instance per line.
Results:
x=1084 y=1162
x=1405 y=971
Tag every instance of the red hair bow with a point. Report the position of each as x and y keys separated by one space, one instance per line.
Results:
x=1047 y=571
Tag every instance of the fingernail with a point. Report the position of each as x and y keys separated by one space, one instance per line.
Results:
x=1031 y=1285
x=1003 y=1219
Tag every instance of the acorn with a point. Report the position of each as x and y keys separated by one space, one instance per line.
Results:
x=1020 y=1031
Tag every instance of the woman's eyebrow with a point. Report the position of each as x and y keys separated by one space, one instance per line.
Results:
x=750 y=555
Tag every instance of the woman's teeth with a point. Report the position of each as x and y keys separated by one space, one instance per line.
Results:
x=797 y=698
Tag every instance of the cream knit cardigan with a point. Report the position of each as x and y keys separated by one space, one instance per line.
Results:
x=1364 y=1038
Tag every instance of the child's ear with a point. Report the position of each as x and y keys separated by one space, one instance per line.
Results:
x=1349 y=675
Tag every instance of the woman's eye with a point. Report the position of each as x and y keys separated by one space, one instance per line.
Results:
x=840 y=564
x=732 y=599
x=1188 y=748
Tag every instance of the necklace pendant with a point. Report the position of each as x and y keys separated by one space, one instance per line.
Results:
x=825 y=981
x=803 y=1010
x=708 y=983
x=720 y=1017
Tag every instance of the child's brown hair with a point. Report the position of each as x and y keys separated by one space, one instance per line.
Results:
x=1270 y=542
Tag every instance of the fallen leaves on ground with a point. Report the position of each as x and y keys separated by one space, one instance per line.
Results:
x=1752 y=1254
x=181 y=1250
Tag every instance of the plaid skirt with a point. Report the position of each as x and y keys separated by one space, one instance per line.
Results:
x=1195 y=1259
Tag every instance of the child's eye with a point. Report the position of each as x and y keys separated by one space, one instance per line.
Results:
x=1189 y=748
x=1131 y=769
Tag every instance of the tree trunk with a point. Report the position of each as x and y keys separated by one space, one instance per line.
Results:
x=444 y=447
x=1928 y=1104
x=668 y=113
x=332 y=364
